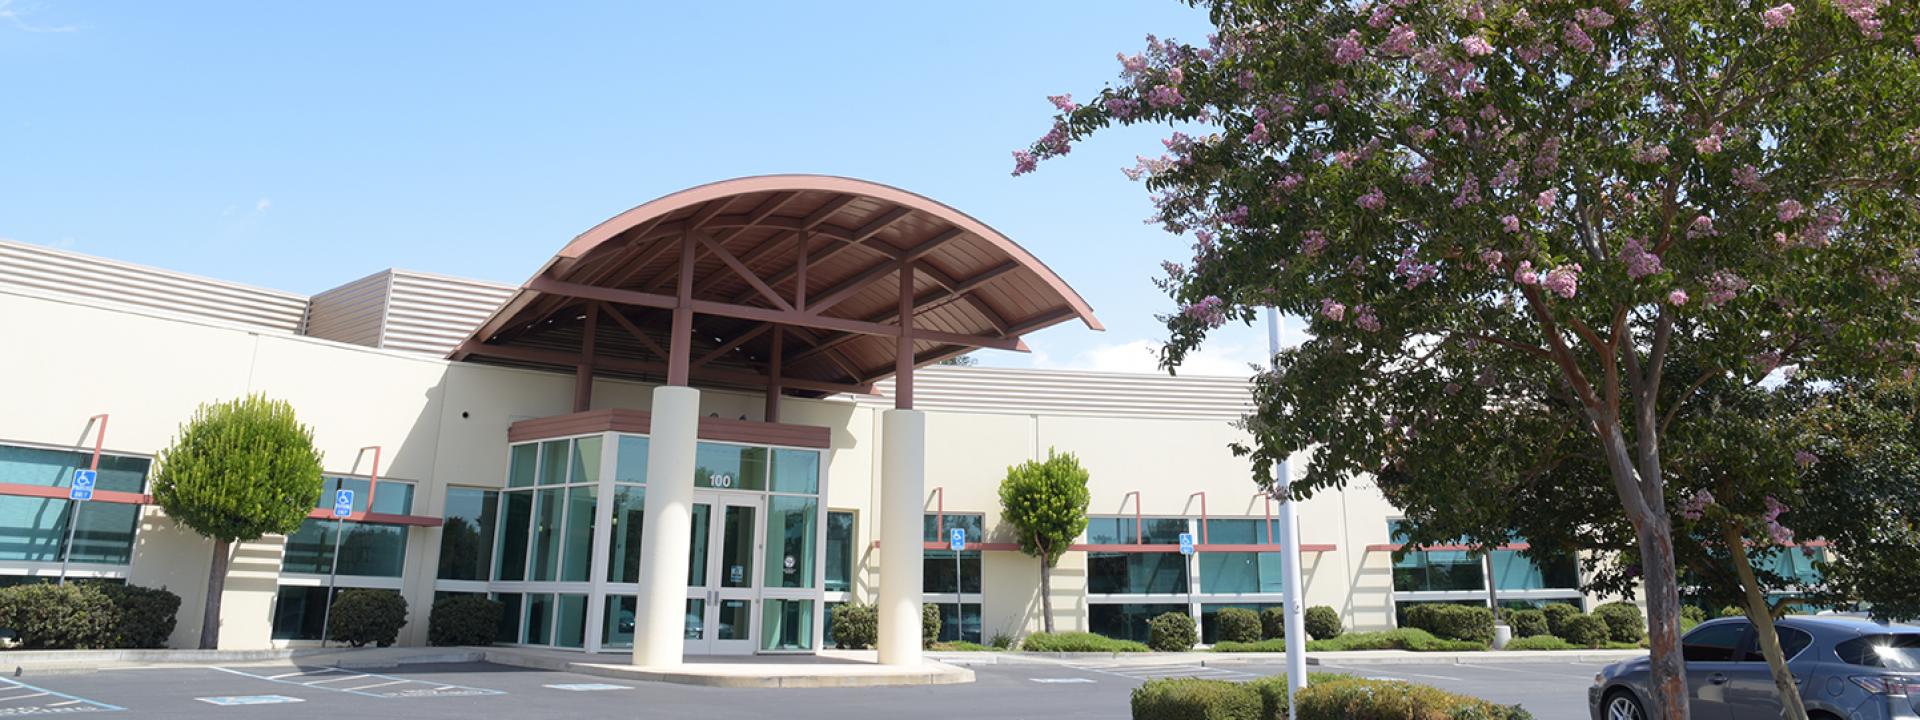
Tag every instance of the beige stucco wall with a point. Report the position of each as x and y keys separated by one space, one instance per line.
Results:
x=442 y=424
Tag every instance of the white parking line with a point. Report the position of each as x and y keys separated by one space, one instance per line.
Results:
x=433 y=689
x=338 y=679
x=66 y=706
x=375 y=685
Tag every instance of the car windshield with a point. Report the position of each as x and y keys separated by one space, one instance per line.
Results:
x=1898 y=652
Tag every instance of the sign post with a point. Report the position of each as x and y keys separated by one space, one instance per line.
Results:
x=79 y=492
x=342 y=507
x=957 y=539
x=1186 y=559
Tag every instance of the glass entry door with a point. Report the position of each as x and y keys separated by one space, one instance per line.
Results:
x=723 y=573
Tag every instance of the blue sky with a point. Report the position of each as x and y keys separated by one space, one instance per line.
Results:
x=301 y=145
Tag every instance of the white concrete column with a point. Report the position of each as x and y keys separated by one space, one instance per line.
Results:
x=903 y=467
x=660 y=620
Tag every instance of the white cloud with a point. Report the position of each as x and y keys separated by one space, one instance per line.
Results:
x=261 y=205
x=14 y=17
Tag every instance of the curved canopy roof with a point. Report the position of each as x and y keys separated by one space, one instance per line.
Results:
x=817 y=257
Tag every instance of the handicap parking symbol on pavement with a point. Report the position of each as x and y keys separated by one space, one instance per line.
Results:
x=249 y=700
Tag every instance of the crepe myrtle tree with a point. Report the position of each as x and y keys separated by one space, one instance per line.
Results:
x=1490 y=207
x=1046 y=503
x=238 y=470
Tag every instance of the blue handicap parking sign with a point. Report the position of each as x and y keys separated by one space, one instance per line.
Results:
x=342 y=503
x=82 y=487
x=1186 y=543
x=957 y=539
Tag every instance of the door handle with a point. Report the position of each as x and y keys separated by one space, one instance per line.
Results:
x=1717 y=679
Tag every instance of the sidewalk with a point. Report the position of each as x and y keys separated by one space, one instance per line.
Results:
x=368 y=658
x=1345 y=659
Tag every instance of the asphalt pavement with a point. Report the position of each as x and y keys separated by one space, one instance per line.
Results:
x=1010 y=690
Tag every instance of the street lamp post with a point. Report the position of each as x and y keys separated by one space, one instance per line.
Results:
x=1289 y=551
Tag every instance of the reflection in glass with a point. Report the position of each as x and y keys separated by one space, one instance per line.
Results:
x=736 y=548
x=513 y=536
x=578 y=555
x=630 y=465
x=790 y=538
x=571 y=630
x=629 y=517
x=466 y=535
x=697 y=560
x=553 y=462
x=786 y=624
x=546 y=533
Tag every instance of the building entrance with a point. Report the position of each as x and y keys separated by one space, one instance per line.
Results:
x=723 y=572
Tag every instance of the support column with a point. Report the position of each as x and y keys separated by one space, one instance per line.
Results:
x=661 y=616
x=774 y=389
x=583 y=373
x=903 y=445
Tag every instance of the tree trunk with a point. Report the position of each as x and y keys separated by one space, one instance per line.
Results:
x=216 y=583
x=1046 y=593
x=1659 y=580
x=1791 y=706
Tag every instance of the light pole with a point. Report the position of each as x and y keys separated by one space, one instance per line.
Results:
x=1289 y=551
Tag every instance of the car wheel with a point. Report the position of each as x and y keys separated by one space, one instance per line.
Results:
x=1622 y=705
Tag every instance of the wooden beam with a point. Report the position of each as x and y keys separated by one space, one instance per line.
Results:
x=583 y=374
x=927 y=300
x=772 y=413
x=903 y=347
x=633 y=330
x=680 y=342
x=857 y=239
x=557 y=358
x=819 y=215
x=736 y=342
x=855 y=284
x=735 y=265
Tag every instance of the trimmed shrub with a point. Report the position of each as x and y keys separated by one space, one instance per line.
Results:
x=1731 y=611
x=1270 y=645
x=143 y=617
x=53 y=617
x=1542 y=642
x=1078 y=642
x=1237 y=625
x=1624 y=622
x=929 y=624
x=1360 y=699
x=1273 y=623
x=961 y=646
x=1273 y=690
x=855 y=626
x=1557 y=614
x=1584 y=630
x=1172 y=632
x=364 y=615
x=1453 y=622
x=1402 y=639
x=1001 y=641
x=1528 y=623
x=464 y=620
x=1195 y=699
x=1322 y=623
x=1693 y=612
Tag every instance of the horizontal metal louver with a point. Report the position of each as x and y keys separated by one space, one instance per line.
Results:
x=47 y=272
x=1067 y=392
x=432 y=313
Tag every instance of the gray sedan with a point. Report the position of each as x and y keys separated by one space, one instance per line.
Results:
x=1846 y=667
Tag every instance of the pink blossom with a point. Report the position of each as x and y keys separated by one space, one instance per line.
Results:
x=1547 y=198
x=1364 y=317
x=1508 y=176
x=1163 y=96
x=1469 y=193
x=1702 y=227
x=1548 y=159
x=1723 y=285
x=1780 y=534
x=1347 y=49
x=1236 y=216
x=1321 y=109
x=1777 y=17
x=1789 y=209
x=1711 y=143
x=1131 y=64
x=1511 y=223
x=1312 y=242
x=1748 y=178
x=1399 y=42
x=1024 y=162
x=1259 y=134
x=1677 y=298
x=1373 y=200
x=1291 y=181
x=1209 y=311
x=1122 y=108
x=1476 y=46
x=1564 y=280
x=1576 y=38
x=1332 y=310
x=1640 y=263
x=1524 y=273
x=1593 y=18
x=1864 y=13
x=1063 y=102
x=1695 y=506
x=1804 y=458
x=1650 y=155
x=1415 y=272
x=1492 y=258
x=1419 y=135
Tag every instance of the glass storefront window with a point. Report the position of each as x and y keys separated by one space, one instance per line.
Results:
x=516 y=515
x=959 y=622
x=35 y=529
x=1136 y=573
x=577 y=555
x=730 y=467
x=586 y=461
x=367 y=549
x=1515 y=571
x=630 y=464
x=553 y=462
x=395 y=497
x=546 y=534
x=790 y=541
x=973 y=522
x=1120 y=531
x=940 y=574
x=539 y=623
x=618 y=630
x=523 y=465
x=466 y=535
x=1127 y=621
x=509 y=618
x=796 y=471
x=629 y=518
x=571 y=625
x=840 y=551
x=786 y=624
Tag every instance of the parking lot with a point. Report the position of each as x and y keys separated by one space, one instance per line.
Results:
x=1050 y=690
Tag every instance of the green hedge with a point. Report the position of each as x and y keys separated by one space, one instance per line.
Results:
x=464 y=620
x=1528 y=623
x=1237 y=625
x=55 y=617
x=1073 y=642
x=929 y=624
x=1625 y=623
x=1402 y=639
x=1557 y=614
x=1584 y=630
x=1322 y=623
x=365 y=615
x=1273 y=623
x=1542 y=642
x=855 y=626
x=1453 y=622
x=1172 y=632
x=1194 y=699
x=1359 y=699
x=143 y=617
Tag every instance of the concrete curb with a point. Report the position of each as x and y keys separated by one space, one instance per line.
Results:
x=353 y=658
x=934 y=673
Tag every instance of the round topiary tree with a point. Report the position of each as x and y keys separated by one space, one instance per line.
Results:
x=1236 y=625
x=1528 y=623
x=1172 y=632
x=1584 y=630
x=1046 y=504
x=464 y=620
x=238 y=470
x=1625 y=623
x=855 y=626
x=1273 y=623
x=1557 y=614
x=1322 y=623
x=367 y=615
